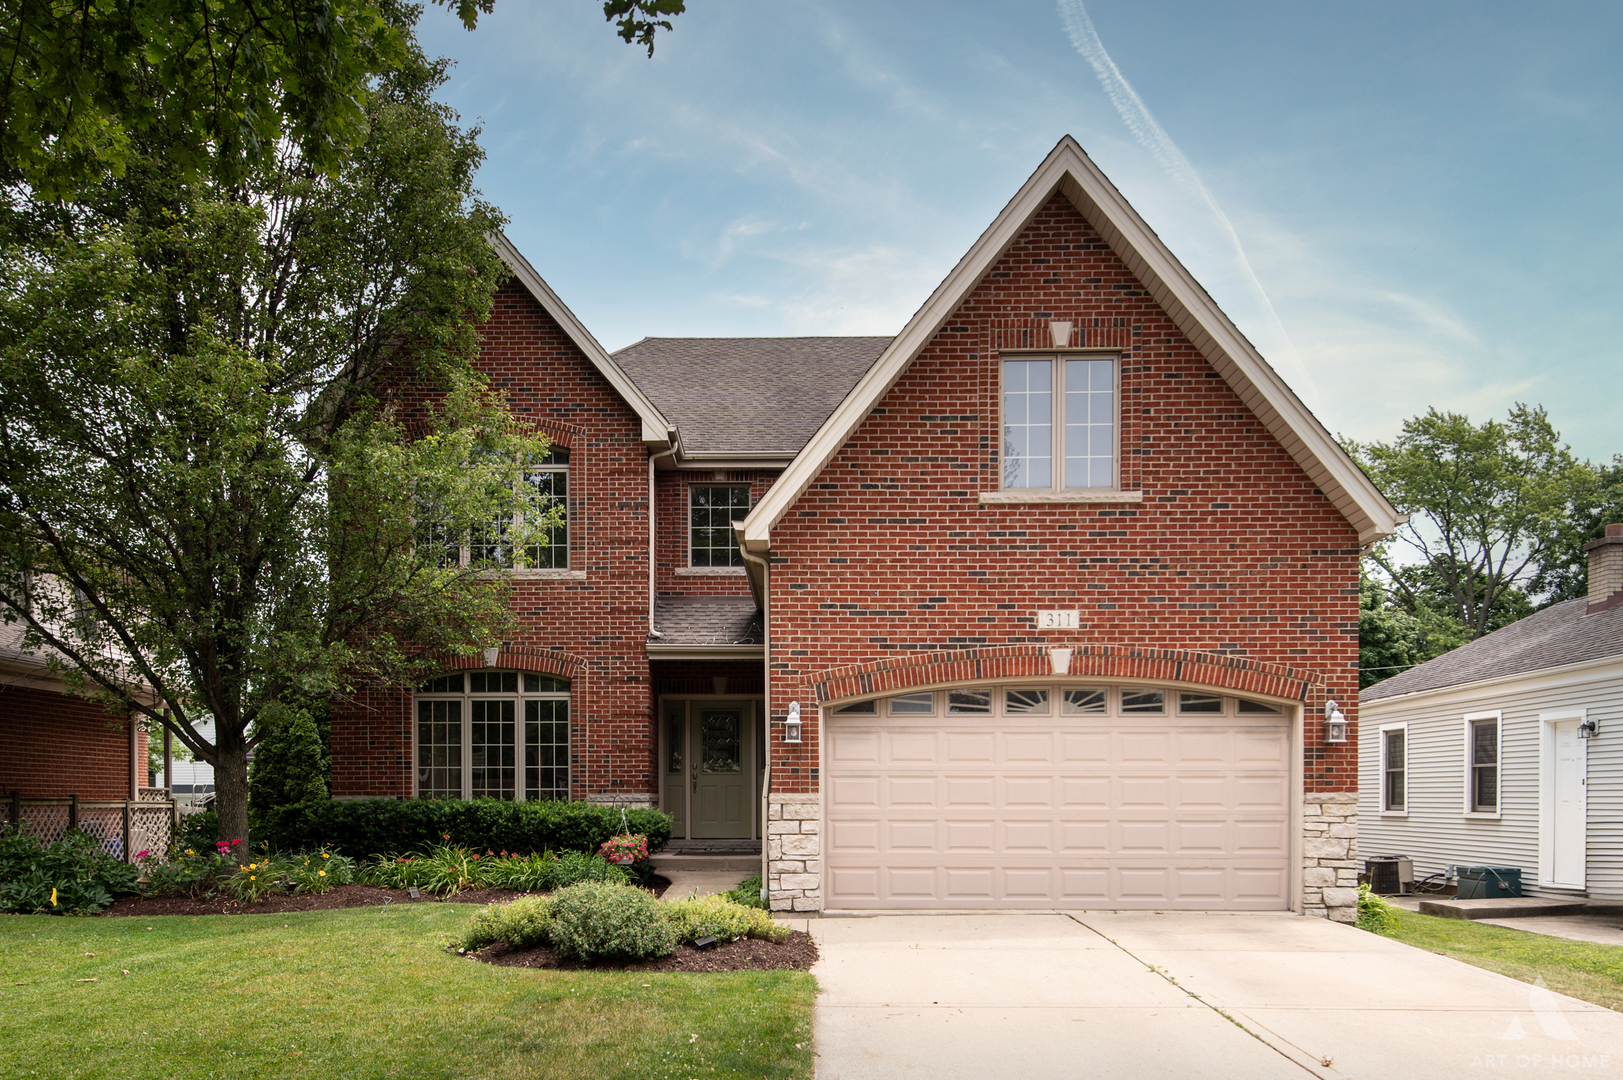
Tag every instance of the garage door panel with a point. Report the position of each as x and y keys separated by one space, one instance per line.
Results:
x=966 y=812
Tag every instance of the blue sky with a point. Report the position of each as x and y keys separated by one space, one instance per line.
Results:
x=1427 y=196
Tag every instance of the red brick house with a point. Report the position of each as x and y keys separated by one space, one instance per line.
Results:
x=1040 y=603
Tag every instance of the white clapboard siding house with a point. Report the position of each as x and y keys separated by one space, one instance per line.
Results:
x=1508 y=751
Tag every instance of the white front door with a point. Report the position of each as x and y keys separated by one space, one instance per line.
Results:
x=1570 y=816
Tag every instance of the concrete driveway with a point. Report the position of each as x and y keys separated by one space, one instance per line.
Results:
x=1178 y=995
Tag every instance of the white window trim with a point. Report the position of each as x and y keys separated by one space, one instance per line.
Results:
x=1387 y=811
x=1057 y=493
x=1495 y=814
x=687 y=569
x=1546 y=795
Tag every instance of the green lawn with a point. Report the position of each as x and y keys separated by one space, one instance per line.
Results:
x=1578 y=969
x=361 y=993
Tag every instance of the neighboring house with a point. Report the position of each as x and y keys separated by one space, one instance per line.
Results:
x=1508 y=751
x=1040 y=603
x=53 y=744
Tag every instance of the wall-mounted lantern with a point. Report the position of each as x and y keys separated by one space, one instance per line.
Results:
x=1335 y=723
x=791 y=723
x=1587 y=728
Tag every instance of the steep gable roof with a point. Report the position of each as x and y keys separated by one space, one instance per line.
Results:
x=656 y=430
x=1070 y=171
x=748 y=397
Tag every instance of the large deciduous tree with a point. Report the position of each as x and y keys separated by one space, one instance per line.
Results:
x=1487 y=504
x=227 y=407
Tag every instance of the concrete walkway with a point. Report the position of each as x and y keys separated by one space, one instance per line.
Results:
x=1598 y=929
x=1177 y=995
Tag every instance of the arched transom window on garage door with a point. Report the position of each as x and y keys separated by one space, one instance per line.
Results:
x=1124 y=701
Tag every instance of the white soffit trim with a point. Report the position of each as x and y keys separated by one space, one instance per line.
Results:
x=656 y=429
x=1068 y=169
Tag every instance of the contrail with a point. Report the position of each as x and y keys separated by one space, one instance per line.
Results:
x=1141 y=122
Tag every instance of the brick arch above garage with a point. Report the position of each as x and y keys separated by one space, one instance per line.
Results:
x=1236 y=674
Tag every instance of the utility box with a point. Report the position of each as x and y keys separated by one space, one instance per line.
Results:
x=1390 y=875
x=1489 y=882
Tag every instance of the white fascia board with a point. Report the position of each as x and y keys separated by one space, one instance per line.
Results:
x=657 y=431
x=658 y=651
x=1550 y=678
x=1067 y=168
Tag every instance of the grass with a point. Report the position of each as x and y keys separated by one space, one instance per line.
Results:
x=1579 y=969
x=363 y=993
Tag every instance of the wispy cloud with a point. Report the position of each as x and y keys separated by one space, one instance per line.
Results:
x=1142 y=123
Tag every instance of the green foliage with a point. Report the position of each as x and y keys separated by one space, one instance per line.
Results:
x=195 y=872
x=1375 y=914
x=1392 y=639
x=369 y=827
x=524 y=923
x=198 y=831
x=637 y=20
x=1487 y=504
x=72 y=876
x=593 y=921
x=289 y=771
x=1563 y=573
x=695 y=917
x=446 y=869
x=257 y=879
x=748 y=893
x=316 y=872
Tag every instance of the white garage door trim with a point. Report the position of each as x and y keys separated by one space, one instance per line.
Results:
x=1108 y=811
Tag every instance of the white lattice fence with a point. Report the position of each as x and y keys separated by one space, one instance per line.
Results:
x=123 y=828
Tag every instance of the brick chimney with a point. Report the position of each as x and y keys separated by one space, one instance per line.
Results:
x=1606 y=570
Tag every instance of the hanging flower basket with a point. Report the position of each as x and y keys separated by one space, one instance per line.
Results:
x=625 y=849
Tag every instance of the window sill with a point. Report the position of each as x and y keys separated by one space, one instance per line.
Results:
x=1394 y=813
x=1482 y=815
x=1040 y=495
x=711 y=571
x=538 y=575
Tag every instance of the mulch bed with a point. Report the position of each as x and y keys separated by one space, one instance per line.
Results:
x=343 y=896
x=745 y=954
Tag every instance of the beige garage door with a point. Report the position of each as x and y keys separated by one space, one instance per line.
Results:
x=979 y=811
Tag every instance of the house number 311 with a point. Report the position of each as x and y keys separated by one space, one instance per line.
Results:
x=1057 y=620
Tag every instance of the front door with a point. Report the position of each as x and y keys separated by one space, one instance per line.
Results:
x=1571 y=822
x=720 y=776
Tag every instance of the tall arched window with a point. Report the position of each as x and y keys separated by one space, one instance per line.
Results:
x=493 y=734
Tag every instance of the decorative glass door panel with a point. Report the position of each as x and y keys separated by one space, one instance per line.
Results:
x=721 y=785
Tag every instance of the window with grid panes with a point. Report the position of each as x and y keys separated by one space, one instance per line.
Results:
x=1059 y=423
x=712 y=509
x=493 y=734
x=489 y=545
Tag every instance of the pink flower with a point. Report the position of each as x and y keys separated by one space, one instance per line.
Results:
x=234 y=843
x=142 y=854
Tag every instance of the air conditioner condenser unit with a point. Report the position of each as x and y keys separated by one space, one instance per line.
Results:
x=1390 y=875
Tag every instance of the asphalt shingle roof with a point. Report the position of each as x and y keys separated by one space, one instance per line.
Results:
x=1554 y=637
x=707 y=622
x=748 y=395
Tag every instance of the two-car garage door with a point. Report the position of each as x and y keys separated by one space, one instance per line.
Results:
x=981 y=811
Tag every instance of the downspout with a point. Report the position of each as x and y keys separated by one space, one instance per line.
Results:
x=758 y=572
x=653 y=595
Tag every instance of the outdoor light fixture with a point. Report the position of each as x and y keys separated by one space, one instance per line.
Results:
x=791 y=723
x=1587 y=728
x=1335 y=723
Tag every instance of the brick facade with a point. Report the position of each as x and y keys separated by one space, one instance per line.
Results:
x=53 y=745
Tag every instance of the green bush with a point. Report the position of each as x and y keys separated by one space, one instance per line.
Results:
x=594 y=921
x=73 y=876
x=747 y=893
x=694 y=918
x=523 y=923
x=319 y=871
x=446 y=869
x=198 y=831
x=194 y=872
x=372 y=827
x=1374 y=913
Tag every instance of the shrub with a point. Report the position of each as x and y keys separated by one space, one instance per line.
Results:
x=194 y=873
x=573 y=867
x=522 y=923
x=257 y=879
x=747 y=893
x=595 y=921
x=72 y=876
x=1374 y=913
x=371 y=827
x=319 y=871
x=198 y=831
x=693 y=918
x=446 y=869
x=290 y=771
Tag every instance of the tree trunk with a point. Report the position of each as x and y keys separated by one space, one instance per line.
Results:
x=231 y=789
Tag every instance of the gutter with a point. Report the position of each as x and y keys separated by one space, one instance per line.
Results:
x=760 y=581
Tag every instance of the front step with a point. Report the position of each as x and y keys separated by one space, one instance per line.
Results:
x=665 y=862
x=1509 y=907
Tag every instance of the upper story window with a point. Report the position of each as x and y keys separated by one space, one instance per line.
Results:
x=491 y=545
x=712 y=509
x=1059 y=423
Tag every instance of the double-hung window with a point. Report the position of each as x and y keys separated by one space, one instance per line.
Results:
x=1482 y=763
x=712 y=509
x=1395 y=769
x=493 y=734
x=492 y=545
x=1059 y=423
